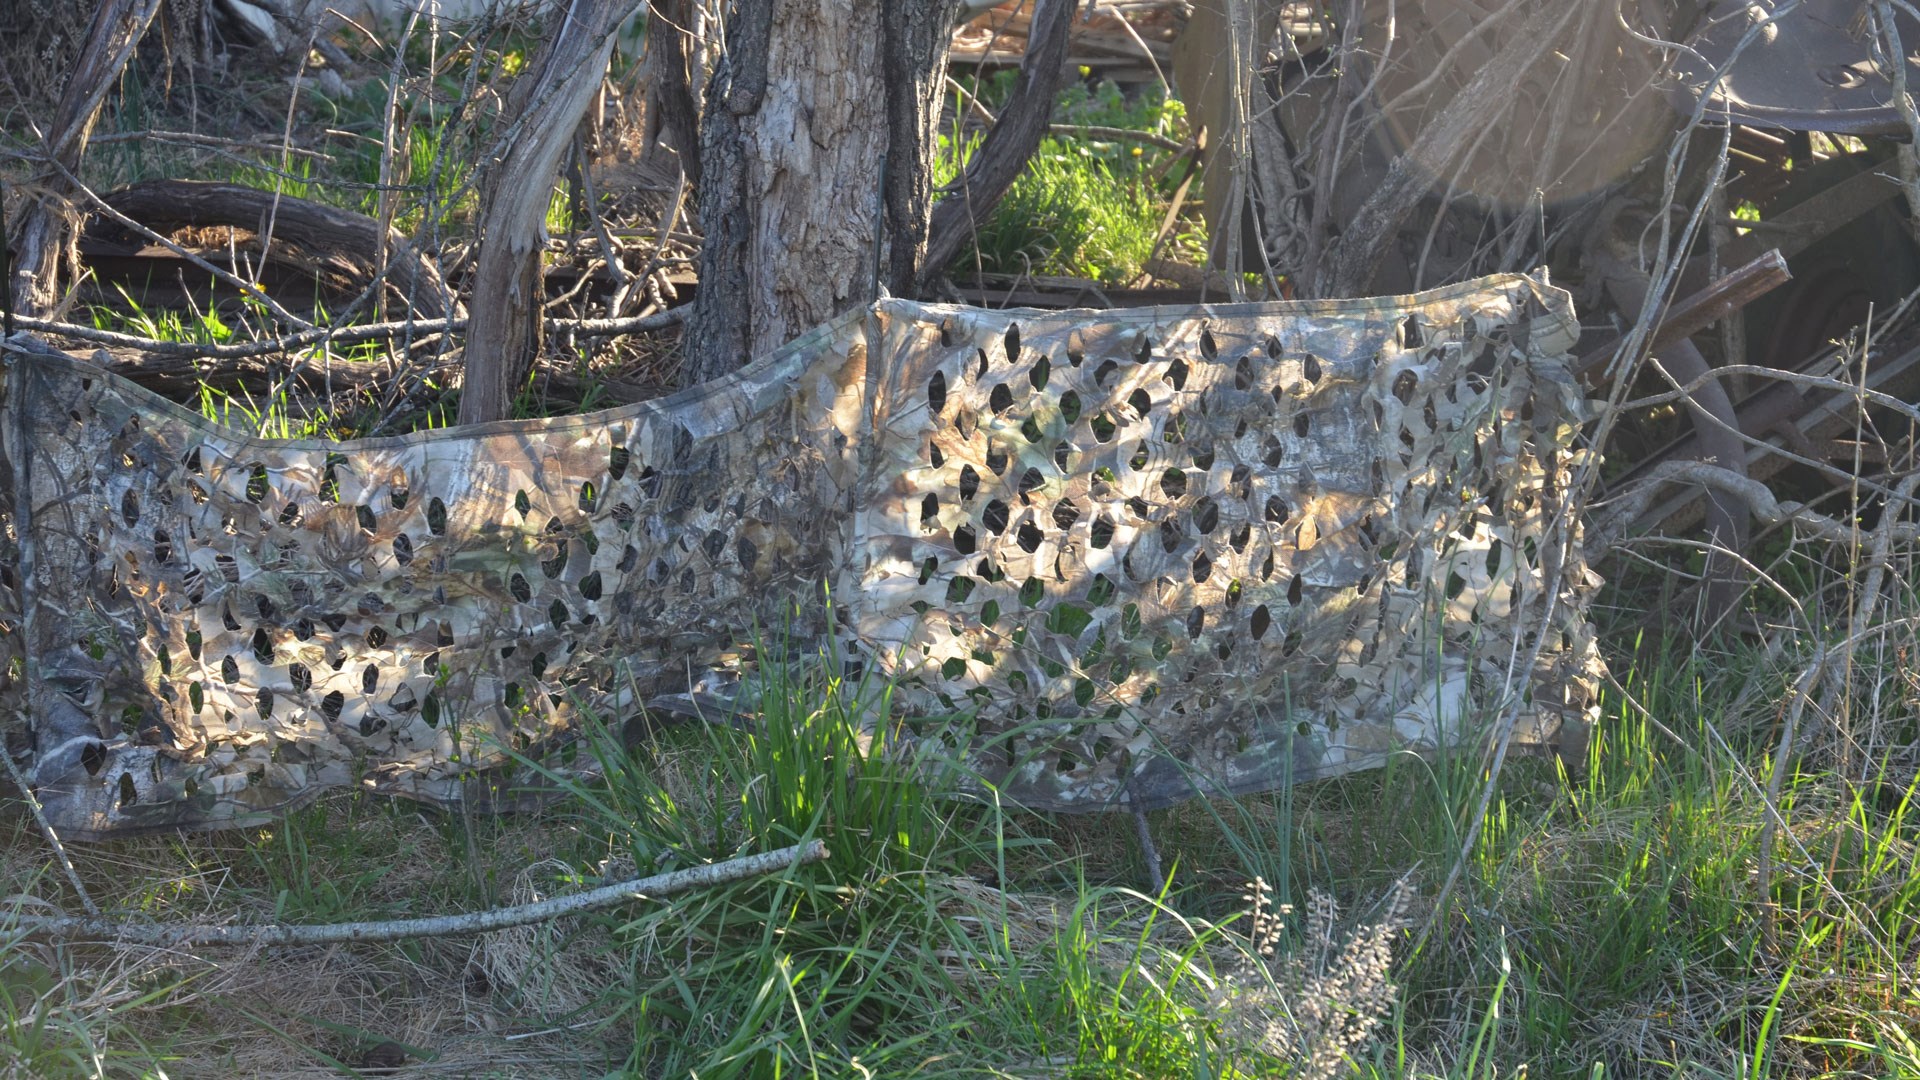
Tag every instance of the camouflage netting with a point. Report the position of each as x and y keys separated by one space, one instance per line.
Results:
x=1141 y=554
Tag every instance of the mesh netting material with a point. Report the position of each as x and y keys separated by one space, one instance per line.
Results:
x=1115 y=558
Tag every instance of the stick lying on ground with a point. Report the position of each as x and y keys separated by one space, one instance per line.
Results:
x=476 y=922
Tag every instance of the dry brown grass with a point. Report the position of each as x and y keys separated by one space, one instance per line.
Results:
x=516 y=1003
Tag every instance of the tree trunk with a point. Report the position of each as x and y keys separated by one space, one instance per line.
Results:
x=46 y=226
x=917 y=39
x=543 y=113
x=815 y=153
x=672 y=74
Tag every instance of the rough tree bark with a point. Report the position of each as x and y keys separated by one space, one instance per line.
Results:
x=672 y=74
x=815 y=149
x=917 y=37
x=46 y=226
x=543 y=112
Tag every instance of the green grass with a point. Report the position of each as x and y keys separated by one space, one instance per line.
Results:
x=1069 y=215
x=198 y=327
x=50 y=1018
x=878 y=956
x=1609 y=922
x=279 y=417
x=1084 y=207
x=1611 y=919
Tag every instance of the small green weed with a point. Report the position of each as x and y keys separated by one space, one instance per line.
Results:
x=62 y=1015
x=199 y=328
x=47 y=1032
x=276 y=419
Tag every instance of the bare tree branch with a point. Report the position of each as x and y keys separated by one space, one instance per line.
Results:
x=345 y=335
x=1364 y=242
x=507 y=330
x=1023 y=122
x=1756 y=497
x=174 y=935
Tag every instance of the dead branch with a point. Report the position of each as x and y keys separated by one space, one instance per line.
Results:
x=346 y=335
x=546 y=106
x=1887 y=43
x=1364 y=241
x=1329 y=153
x=1095 y=131
x=339 y=247
x=1758 y=499
x=190 y=138
x=254 y=935
x=1007 y=146
x=1878 y=566
x=1867 y=395
x=25 y=789
x=611 y=252
x=45 y=227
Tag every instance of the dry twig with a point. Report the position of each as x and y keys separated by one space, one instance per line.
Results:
x=344 y=335
x=253 y=935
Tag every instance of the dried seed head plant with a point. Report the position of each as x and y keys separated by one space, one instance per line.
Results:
x=1317 y=1004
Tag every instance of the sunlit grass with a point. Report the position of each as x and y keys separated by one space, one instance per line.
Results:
x=1608 y=919
x=279 y=415
x=1085 y=206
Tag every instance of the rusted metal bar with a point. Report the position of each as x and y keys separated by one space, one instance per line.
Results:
x=1714 y=422
x=1781 y=415
x=1702 y=309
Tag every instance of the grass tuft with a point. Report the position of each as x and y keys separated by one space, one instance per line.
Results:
x=1084 y=207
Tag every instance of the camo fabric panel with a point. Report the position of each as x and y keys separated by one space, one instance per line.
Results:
x=1146 y=554
x=225 y=626
x=1168 y=551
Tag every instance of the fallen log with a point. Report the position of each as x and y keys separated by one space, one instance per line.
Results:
x=340 y=248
